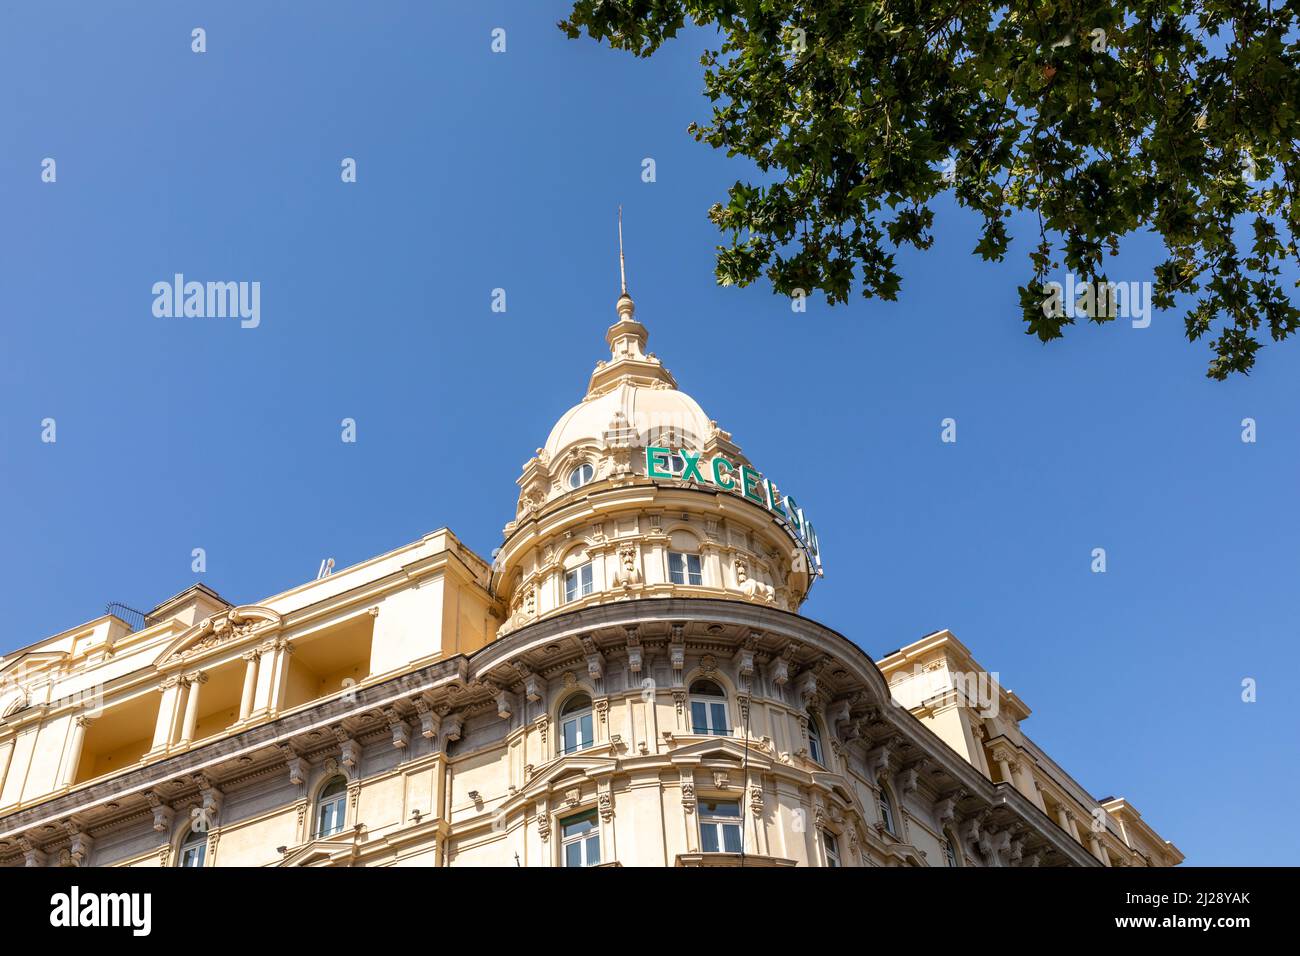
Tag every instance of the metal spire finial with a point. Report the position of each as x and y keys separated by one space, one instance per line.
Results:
x=622 y=268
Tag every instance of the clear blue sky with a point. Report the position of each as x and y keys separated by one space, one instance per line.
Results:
x=479 y=171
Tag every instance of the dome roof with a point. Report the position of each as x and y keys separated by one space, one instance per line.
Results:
x=628 y=409
x=631 y=399
x=632 y=403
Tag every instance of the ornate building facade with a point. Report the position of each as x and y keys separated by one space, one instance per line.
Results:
x=628 y=683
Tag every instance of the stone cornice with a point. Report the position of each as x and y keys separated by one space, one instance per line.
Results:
x=134 y=782
x=471 y=680
x=813 y=638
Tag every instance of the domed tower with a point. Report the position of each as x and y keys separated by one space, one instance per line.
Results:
x=637 y=493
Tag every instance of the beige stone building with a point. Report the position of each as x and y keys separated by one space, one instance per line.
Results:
x=629 y=683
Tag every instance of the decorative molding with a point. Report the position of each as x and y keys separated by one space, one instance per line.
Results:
x=234 y=624
x=400 y=728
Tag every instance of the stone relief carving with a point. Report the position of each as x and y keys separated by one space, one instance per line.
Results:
x=627 y=575
x=752 y=589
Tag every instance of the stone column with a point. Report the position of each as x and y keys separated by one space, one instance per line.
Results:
x=1063 y=818
x=1003 y=759
x=1094 y=844
x=272 y=676
x=283 y=651
x=250 y=684
x=262 y=696
x=194 y=682
x=72 y=758
x=6 y=755
x=1026 y=784
x=975 y=741
x=1072 y=827
x=164 y=727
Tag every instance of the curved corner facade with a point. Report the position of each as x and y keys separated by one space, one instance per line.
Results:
x=628 y=683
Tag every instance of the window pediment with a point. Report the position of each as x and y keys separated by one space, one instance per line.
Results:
x=235 y=625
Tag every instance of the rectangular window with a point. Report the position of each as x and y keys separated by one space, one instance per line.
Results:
x=192 y=855
x=577 y=583
x=720 y=826
x=684 y=568
x=576 y=732
x=832 y=849
x=709 y=717
x=580 y=839
x=948 y=853
x=331 y=816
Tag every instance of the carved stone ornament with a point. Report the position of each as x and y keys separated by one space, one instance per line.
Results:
x=627 y=575
x=907 y=779
x=349 y=749
x=234 y=624
x=505 y=704
x=400 y=728
x=595 y=659
x=752 y=589
x=452 y=725
x=633 y=650
x=688 y=792
x=945 y=808
x=534 y=688
x=744 y=660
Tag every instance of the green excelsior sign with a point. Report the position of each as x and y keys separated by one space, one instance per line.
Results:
x=741 y=480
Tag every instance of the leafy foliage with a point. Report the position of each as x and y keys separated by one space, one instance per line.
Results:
x=1100 y=118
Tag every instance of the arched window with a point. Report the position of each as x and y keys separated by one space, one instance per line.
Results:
x=814 y=740
x=887 y=811
x=194 y=849
x=949 y=854
x=832 y=848
x=331 y=807
x=709 y=709
x=581 y=475
x=575 y=724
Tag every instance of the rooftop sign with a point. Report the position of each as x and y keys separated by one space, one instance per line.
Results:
x=679 y=464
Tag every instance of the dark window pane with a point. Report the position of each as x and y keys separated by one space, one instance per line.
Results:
x=731 y=837
x=699 y=722
x=709 y=838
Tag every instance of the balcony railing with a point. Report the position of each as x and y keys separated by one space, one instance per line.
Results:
x=135 y=620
